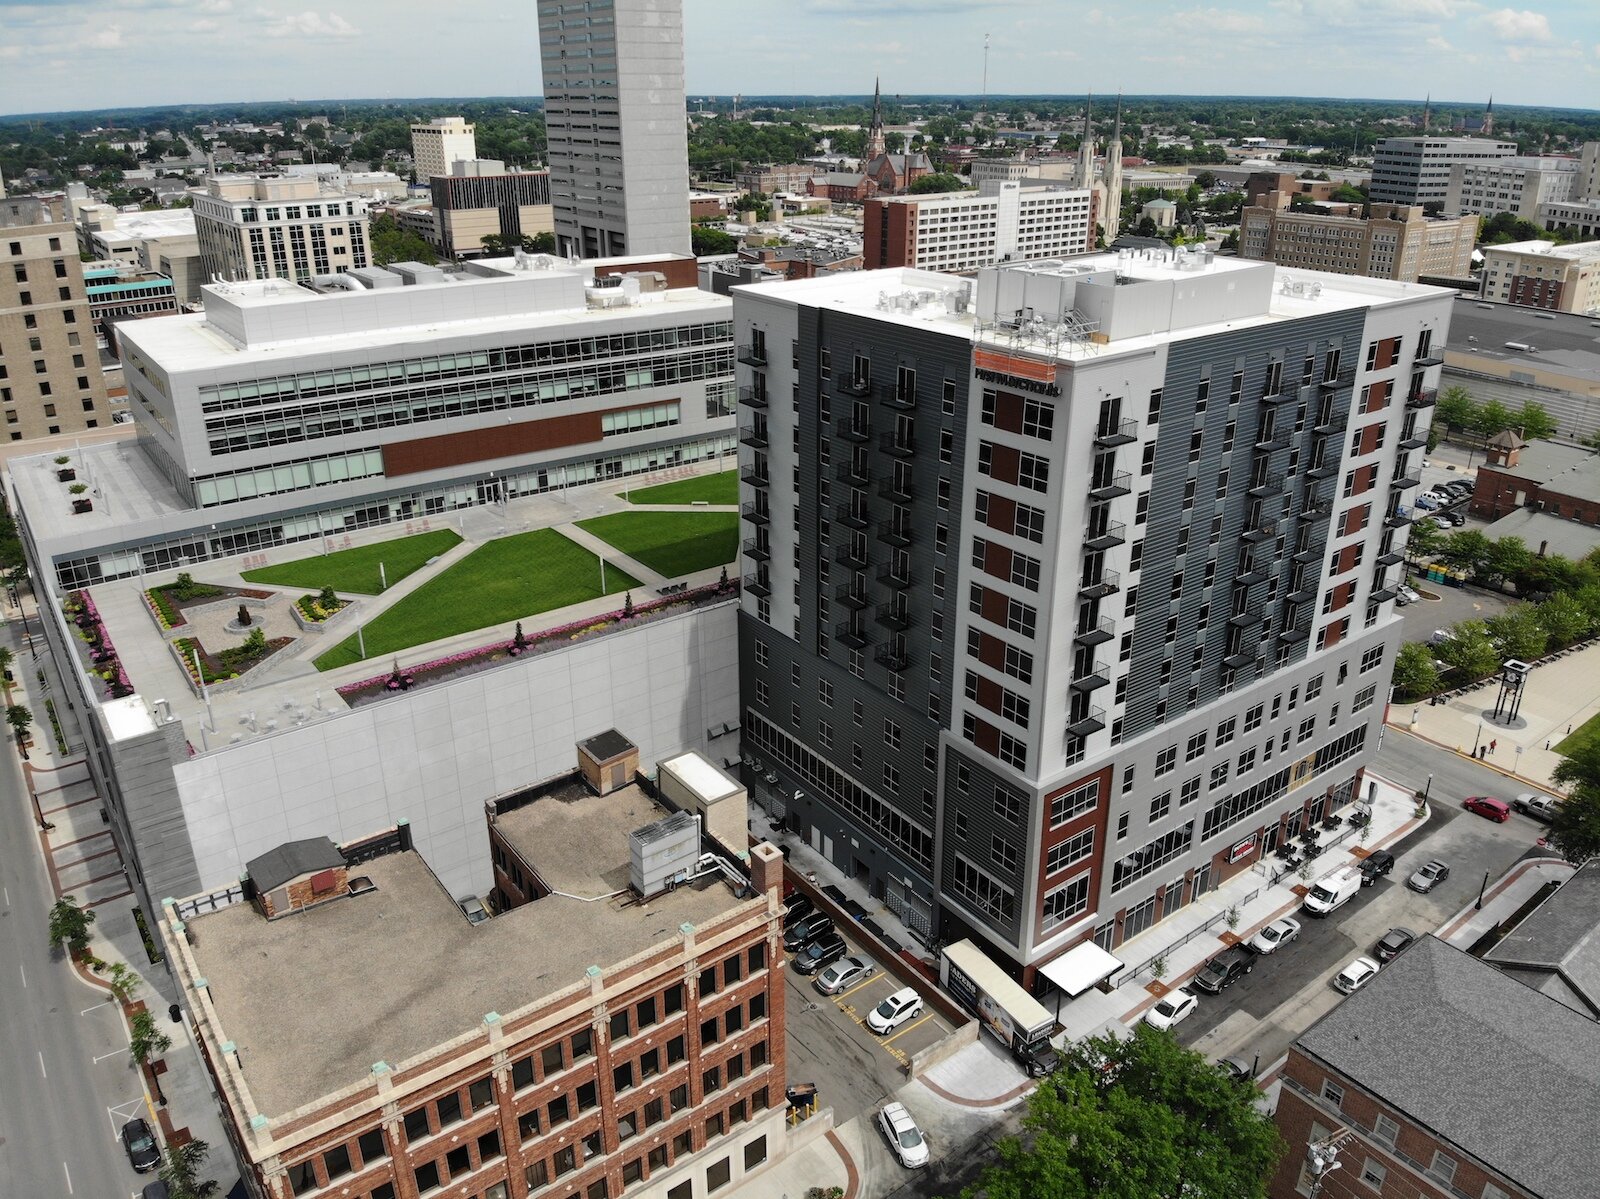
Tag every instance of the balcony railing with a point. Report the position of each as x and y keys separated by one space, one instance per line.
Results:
x=1095 y=676
x=754 y=436
x=898 y=490
x=754 y=477
x=755 y=551
x=893 y=397
x=1430 y=360
x=852 y=595
x=1331 y=422
x=848 y=470
x=889 y=579
x=753 y=355
x=849 y=429
x=755 y=515
x=1298 y=631
x=750 y=398
x=1091 y=720
x=899 y=443
x=851 y=386
x=1423 y=397
x=894 y=616
x=1120 y=483
x=757 y=585
x=848 y=633
x=892 y=656
x=1265 y=485
x=848 y=555
x=851 y=518
x=1266 y=442
x=1264 y=531
x=1107 y=582
x=1397 y=517
x=1097 y=633
x=896 y=533
x=1115 y=433
x=1105 y=536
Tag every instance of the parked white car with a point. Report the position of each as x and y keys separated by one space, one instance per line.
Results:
x=905 y=1138
x=1356 y=975
x=1171 y=1009
x=1275 y=935
x=894 y=1011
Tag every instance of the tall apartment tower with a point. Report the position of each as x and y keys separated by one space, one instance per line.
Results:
x=439 y=143
x=277 y=226
x=1416 y=170
x=615 y=123
x=1070 y=596
x=50 y=380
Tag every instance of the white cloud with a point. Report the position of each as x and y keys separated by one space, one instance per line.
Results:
x=106 y=37
x=1519 y=25
x=1219 y=20
x=312 y=24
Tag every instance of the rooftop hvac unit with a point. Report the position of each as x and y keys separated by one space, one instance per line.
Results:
x=663 y=854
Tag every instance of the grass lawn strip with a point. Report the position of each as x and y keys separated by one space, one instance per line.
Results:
x=356 y=569
x=670 y=543
x=1585 y=734
x=721 y=488
x=503 y=580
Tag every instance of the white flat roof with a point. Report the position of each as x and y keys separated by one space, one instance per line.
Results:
x=127 y=717
x=1081 y=967
x=702 y=776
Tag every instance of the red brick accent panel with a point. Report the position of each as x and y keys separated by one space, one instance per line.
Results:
x=485 y=445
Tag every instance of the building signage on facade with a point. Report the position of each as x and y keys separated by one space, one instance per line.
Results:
x=1242 y=849
x=1024 y=374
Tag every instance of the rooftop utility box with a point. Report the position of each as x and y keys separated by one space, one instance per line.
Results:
x=691 y=782
x=663 y=854
x=607 y=761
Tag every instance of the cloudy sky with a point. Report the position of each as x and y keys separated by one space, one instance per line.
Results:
x=72 y=54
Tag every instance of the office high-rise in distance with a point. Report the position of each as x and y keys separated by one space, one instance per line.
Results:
x=614 y=118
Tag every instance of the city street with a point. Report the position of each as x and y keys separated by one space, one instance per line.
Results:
x=66 y=1082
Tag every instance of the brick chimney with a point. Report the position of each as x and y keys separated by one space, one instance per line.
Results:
x=766 y=868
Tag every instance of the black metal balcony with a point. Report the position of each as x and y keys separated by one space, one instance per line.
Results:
x=851 y=518
x=755 y=515
x=1296 y=632
x=1315 y=511
x=1342 y=379
x=893 y=397
x=1249 y=656
x=894 y=616
x=1430 y=360
x=1282 y=396
x=1303 y=594
x=1092 y=721
x=1267 y=485
x=1265 y=531
x=1266 y=443
x=847 y=555
x=896 y=533
x=892 y=656
x=847 y=633
x=756 y=585
x=1120 y=483
x=1097 y=676
x=753 y=355
x=1414 y=439
x=1390 y=558
x=1248 y=619
x=900 y=444
x=1382 y=595
x=755 y=551
x=898 y=490
x=1323 y=470
x=893 y=581
x=1107 y=582
x=1401 y=482
x=1398 y=517
x=851 y=386
x=1307 y=554
x=1423 y=397
x=1122 y=432
x=847 y=428
x=1332 y=422
x=1097 y=633
x=750 y=398
x=754 y=436
x=1106 y=536
x=754 y=477
x=852 y=595
x=1250 y=577
x=848 y=470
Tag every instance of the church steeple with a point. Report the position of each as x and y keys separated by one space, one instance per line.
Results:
x=1488 y=117
x=875 y=144
x=1086 y=146
x=1427 y=108
x=1111 y=218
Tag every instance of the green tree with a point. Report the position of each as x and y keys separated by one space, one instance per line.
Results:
x=1427 y=541
x=19 y=718
x=69 y=924
x=703 y=241
x=1564 y=619
x=1469 y=651
x=1143 y=1118
x=1535 y=421
x=121 y=982
x=390 y=243
x=1492 y=417
x=1507 y=558
x=1456 y=409
x=1467 y=550
x=147 y=1040
x=1415 y=675
x=1575 y=830
x=938 y=181
x=180 y=1170
x=1518 y=632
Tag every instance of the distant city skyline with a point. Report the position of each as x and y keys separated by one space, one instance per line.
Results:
x=62 y=55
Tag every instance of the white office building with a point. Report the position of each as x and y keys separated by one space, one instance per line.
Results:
x=439 y=143
x=1416 y=170
x=278 y=226
x=1518 y=185
x=616 y=126
x=1005 y=221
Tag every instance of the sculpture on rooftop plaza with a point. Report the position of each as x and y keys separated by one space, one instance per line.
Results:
x=244 y=616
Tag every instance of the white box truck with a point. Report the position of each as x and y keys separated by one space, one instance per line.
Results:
x=1016 y=1019
x=1333 y=892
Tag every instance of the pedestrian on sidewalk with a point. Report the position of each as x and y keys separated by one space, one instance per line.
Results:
x=1492 y=744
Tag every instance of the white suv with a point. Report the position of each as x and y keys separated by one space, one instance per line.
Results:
x=894 y=1011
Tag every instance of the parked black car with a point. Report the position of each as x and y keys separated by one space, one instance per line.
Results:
x=823 y=951
x=797 y=906
x=807 y=928
x=1393 y=943
x=143 y=1152
x=1224 y=969
x=1375 y=865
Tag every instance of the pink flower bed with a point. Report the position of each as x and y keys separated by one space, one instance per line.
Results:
x=469 y=661
x=120 y=685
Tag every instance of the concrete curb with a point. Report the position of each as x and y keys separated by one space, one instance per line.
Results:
x=1532 y=784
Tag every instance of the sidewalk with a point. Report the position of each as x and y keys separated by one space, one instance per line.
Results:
x=1560 y=694
x=82 y=860
x=1501 y=901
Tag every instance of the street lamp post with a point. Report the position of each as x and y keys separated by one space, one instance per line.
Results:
x=1483 y=886
x=1427 y=789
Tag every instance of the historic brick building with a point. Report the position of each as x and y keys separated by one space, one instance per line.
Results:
x=1563 y=480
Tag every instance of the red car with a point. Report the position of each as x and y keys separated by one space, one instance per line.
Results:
x=1495 y=809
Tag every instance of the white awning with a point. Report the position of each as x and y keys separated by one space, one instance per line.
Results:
x=1080 y=968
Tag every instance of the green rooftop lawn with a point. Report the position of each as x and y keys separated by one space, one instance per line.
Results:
x=670 y=543
x=720 y=488
x=507 y=579
x=1580 y=738
x=356 y=570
